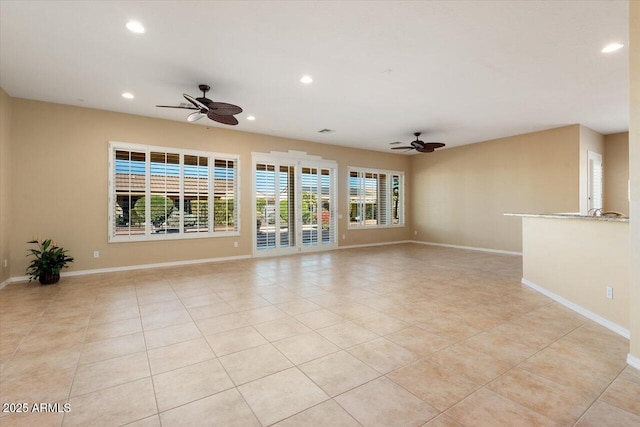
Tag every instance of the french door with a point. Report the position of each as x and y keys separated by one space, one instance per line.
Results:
x=294 y=203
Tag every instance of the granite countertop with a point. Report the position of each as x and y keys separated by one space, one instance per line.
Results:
x=572 y=216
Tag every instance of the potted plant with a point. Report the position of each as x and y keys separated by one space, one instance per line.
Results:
x=48 y=260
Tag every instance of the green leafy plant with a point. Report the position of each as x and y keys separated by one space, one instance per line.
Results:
x=161 y=208
x=48 y=259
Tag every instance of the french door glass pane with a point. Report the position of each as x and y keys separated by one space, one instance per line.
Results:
x=309 y=181
x=327 y=226
x=355 y=214
x=395 y=191
x=265 y=206
x=287 y=206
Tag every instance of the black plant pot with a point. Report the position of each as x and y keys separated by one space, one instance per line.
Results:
x=49 y=278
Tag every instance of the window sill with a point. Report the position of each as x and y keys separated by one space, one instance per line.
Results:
x=171 y=236
x=372 y=227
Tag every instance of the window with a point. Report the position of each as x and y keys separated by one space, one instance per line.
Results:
x=159 y=193
x=376 y=198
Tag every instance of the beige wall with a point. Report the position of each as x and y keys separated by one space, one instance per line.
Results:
x=634 y=173
x=560 y=256
x=590 y=140
x=60 y=189
x=616 y=172
x=460 y=194
x=5 y=183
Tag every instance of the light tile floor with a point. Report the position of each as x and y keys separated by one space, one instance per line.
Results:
x=390 y=336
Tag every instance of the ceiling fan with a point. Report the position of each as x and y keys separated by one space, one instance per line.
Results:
x=420 y=146
x=220 y=112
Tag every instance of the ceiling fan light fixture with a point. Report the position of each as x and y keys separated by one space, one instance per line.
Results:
x=128 y=95
x=135 y=27
x=612 y=47
x=306 y=79
x=251 y=118
x=195 y=116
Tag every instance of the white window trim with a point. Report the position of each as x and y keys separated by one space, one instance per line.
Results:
x=360 y=225
x=117 y=145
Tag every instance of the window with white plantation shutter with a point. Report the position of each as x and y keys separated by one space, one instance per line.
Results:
x=376 y=198
x=164 y=193
x=195 y=206
x=225 y=195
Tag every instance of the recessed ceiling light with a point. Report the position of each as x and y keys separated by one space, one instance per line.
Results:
x=128 y=95
x=306 y=79
x=612 y=47
x=135 y=27
x=251 y=118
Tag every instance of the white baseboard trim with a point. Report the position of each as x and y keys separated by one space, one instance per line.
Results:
x=5 y=283
x=580 y=310
x=397 y=242
x=633 y=361
x=471 y=248
x=136 y=267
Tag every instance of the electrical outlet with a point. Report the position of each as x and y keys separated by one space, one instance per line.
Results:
x=609 y=292
x=6 y=263
x=96 y=254
x=415 y=232
x=235 y=244
x=344 y=236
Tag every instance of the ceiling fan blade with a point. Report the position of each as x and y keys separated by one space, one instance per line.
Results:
x=177 y=106
x=433 y=145
x=199 y=105
x=402 y=148
x=194 y=117
x=227 y=120
x=425 y=150
x=220 y=108
x=205 y=101
x=224 y=109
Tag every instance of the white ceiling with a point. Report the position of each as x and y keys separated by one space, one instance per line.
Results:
x=461 y=72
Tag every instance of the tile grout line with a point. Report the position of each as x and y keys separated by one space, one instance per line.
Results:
x=235 y=386
x=291 y=367
x=144 y=337
x=485 y=386
x=77 y=367
x=597 y=399
x=31 y=329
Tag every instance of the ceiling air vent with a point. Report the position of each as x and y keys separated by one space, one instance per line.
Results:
x=325 y=130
